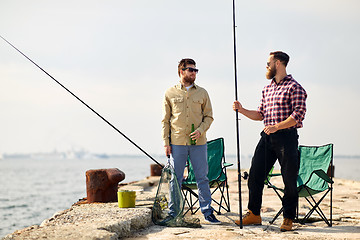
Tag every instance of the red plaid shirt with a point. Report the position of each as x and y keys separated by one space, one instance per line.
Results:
x=279 y=101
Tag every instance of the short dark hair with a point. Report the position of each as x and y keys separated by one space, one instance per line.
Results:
x=184 y=62
x=281 y=56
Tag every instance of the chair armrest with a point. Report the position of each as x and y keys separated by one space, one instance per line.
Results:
x=269 y=176
x=227 y=164
x=274 y=174
x=323 y=175
x=270 y=185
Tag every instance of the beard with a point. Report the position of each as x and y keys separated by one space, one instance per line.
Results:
x=189 y=79
x=271 y=72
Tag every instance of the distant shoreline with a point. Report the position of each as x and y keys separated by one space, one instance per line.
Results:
x=84 y=153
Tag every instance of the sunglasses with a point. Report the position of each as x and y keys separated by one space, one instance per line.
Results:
x=268 y=63
x=191 y=69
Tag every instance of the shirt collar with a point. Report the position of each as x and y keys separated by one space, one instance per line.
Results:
x=286 y=78
x=180 y=86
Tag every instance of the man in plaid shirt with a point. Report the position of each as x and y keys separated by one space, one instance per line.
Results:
x=282 y=109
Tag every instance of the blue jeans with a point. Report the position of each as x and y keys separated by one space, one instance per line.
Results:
x=198 y=158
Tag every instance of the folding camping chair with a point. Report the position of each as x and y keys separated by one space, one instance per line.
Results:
x=217 y=179
x=315 y=163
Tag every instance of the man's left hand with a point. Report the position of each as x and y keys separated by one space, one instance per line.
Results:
x=195 y=135
x=271 y=129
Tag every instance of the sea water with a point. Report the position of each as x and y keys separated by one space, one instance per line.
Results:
x=33 y=188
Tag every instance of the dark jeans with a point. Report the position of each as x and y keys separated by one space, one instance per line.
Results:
x=282 y=145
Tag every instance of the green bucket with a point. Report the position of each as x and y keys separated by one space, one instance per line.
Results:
x=126 y=199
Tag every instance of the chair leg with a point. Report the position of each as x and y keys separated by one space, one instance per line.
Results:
x=280 y=211
x=224 y=199
x=319 y=212
x=316 y=207
x=331 y=205
x=223 y=203
x=221 y=199
x=227 y=195
x=185 y=194
x=297 y=211
x=189 y=199
x=277 y=215
x=193 y=194
x=214 y=200
x=221 y=187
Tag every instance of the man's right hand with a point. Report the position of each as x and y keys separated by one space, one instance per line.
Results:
x=237 y=106
x=167 y=150
x=252 y=114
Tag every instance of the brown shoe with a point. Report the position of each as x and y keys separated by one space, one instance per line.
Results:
x=286 y=225
x=250 y=219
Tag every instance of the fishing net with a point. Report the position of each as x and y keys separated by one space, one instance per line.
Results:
x=169 y=203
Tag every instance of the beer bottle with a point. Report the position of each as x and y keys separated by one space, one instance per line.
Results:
x=192 y=141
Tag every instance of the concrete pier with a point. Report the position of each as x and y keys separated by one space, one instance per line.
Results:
x=97 y=220
x=108 y=221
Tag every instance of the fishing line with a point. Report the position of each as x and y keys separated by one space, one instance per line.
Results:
x=83 y=102
x=237 y=121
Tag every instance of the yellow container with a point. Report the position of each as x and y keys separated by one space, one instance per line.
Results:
x=126 y=199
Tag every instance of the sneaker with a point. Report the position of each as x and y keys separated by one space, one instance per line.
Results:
x=212 y=219
x=286 y=225
x=250 y=219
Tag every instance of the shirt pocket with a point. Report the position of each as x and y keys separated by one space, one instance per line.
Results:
x=177 y=104
x=197 y=104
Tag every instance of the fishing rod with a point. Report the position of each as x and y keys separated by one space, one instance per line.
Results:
x=83 y=102
x=237 y=121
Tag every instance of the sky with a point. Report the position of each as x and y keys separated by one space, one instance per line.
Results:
x=120 y=56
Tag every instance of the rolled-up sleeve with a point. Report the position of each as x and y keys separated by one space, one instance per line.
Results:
x=261 y=107
x=298 y=102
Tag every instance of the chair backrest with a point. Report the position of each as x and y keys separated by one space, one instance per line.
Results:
x=314 y=158
x=215 y=158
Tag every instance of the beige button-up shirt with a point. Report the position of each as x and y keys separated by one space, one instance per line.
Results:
x=181 y=109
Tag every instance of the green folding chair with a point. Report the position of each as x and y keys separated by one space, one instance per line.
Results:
x=316 y=165
x=217 y=179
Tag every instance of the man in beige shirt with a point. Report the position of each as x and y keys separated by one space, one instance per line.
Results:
x=187 y=104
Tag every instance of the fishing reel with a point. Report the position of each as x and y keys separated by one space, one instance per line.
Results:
x=245 y=176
